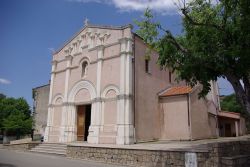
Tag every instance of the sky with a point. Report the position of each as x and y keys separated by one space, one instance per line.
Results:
x=31 y=29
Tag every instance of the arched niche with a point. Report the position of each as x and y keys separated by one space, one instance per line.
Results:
x=111 y=91
x=110 y=108
x=58 y=99
x=82 y=95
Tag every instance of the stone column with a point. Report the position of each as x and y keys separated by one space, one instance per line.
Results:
x=50 y=107
x=96 y=107
x=125 y=128
x=236 y=128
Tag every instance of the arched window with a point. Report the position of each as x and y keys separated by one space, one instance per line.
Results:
x=84 y=68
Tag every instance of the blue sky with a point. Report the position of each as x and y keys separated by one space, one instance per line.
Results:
x=31 y=29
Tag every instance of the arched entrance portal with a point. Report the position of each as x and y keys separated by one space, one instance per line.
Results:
x=82 y=95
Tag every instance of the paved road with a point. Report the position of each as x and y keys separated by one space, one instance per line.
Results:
x=9 y=158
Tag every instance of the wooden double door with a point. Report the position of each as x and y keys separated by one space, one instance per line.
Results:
x=83 y=121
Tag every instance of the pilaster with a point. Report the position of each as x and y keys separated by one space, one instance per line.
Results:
x=49 y=124
x=54 y=64
x=71 y=129
x=50 y=109
x=96 y=108
x=94 y=128
x=67 y=76
x=125 y=128
x=65 y=108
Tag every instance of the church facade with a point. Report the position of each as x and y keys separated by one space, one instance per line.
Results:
x=104 y=90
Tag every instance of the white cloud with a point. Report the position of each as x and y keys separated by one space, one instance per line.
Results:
x=4 y=81
x=160 y=6
x=139 y=5
x=86 y=1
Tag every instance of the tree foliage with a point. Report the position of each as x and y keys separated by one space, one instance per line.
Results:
x=229 y=103
x=215 y=43
x=15 y=115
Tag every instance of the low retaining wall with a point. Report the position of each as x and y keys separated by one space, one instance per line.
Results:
x=127 y=156
x=20 y=146
x=216 y=155
x=26 y=140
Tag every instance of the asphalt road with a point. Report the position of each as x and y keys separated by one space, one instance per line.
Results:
x=10 y=158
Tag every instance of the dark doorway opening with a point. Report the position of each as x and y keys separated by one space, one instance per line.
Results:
x=228 y=131
x=83 y=121
x=87 y=121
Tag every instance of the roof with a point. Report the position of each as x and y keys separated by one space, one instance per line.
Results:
x=227 y=114
x=41 y=86
x=92 y=26
x=176 y=90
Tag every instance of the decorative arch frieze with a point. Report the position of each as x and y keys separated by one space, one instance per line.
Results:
x=83 y=84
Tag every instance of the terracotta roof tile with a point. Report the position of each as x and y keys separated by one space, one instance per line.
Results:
x=228 y=114
x=176 y=90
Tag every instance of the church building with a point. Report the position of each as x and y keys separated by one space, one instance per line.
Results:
x=104 y=90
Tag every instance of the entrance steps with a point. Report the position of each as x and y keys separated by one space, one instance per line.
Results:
x=51 y=148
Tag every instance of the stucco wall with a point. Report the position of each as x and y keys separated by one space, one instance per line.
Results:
x=175 y=124
x=203 y=124
x=110 y=72
x=41 y=101
x=147 y=85
x=59 y=83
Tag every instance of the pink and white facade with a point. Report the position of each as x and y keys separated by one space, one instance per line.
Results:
x=106 y=84
x=104 y=67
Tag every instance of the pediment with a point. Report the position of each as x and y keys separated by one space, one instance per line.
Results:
x=88 y=37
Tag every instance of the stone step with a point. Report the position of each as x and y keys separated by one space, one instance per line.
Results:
x=54 y=144
x=47 y=148
x=51 y=148
x=54 y=147
x=49 y=152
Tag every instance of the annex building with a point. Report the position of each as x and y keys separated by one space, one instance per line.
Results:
x=104 y=90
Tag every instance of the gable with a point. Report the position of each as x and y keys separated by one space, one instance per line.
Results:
x=90 y=37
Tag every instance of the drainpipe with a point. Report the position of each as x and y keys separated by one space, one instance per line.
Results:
x=189 y=116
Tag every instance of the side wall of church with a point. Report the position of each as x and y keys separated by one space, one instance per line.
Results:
x=147 y=86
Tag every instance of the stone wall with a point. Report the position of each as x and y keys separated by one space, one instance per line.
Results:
x=26 y=140
x=41 y=100
x=22 y=146
x=232 y=154
x=128 y=157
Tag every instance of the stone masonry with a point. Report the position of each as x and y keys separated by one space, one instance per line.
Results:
x=232 y=154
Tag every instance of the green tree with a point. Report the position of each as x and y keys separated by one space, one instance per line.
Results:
x=2 y=96
x=17 y=122
x=229 y=103
x=215 y=43
x=15 y=115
